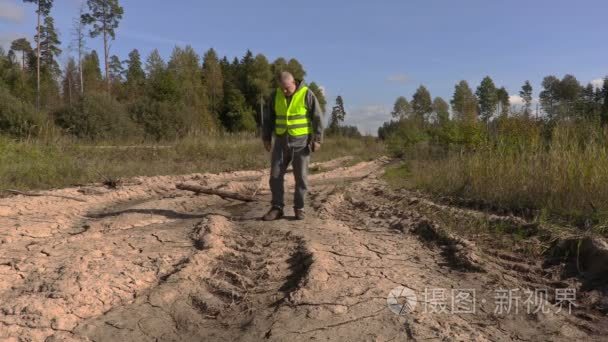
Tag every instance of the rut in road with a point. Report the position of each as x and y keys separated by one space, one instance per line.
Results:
x=148 y=262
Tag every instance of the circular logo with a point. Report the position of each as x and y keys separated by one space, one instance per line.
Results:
x=401 y=300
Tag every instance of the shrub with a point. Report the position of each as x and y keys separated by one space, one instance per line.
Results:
x=164 y=120
x=96 y=117
x=406 y=135
x=18 y=118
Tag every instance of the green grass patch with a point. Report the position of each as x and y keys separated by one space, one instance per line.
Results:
x=42 y=165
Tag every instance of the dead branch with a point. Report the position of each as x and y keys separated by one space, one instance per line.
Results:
x=210 y=191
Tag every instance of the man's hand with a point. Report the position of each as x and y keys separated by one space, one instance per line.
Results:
x=315 y=146
x=267 y=145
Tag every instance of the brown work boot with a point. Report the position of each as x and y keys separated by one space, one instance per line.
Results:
x=273 y=214
x=300 y=215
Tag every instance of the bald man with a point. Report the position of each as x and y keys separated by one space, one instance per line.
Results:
x=294 y=120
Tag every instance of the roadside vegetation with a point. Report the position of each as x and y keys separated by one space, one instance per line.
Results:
x=550 y=165
x=103 y=116
x=38 y=165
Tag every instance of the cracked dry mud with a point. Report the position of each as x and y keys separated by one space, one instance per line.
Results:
x=148 y=262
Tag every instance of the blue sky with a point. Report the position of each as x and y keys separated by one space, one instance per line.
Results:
x=370 y=52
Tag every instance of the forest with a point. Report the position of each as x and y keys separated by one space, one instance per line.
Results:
x=108 y=97
x=546 y=159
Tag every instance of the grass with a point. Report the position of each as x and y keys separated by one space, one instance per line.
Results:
x=41 y=165
x=564 y=182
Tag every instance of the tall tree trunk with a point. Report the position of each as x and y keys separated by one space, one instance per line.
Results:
x=80 y=47
x=69 y=80
x=38 y=61
x=105 y=48
x=105 y=44
x=80 y=71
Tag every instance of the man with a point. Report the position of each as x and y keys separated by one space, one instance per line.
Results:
x=294 y=118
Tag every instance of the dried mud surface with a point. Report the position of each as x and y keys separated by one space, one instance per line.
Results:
x=147 y=262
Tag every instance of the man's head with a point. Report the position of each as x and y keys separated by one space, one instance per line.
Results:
x=287 y=83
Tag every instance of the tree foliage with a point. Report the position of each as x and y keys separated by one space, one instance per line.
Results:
x=422 y=105
x=526 y=95
x=487 y=99
x=464 y=103
x=401 y=108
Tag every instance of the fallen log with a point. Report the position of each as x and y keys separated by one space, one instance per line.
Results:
x=211 y=191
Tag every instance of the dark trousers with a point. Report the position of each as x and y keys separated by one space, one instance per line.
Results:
x=283 y=153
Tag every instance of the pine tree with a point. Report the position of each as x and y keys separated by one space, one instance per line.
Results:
x=526 y=95
x=242 y=71
x=160 y=85
x=421 y=104
x=116 y=69
x=184 y=67
x=278 y=66
x=338 y=113
x=293 y=66
x=49 y=47
x=78 y=43
x=296 y=69
x=586 y=104
x=185 y=70
x=43 y=8
x=70 y=82
x=503 y=101
x=91 y=72
x=464 y=103
x=135 y=76
x=213 y=80
x=117 y=72
x=401 y=108
x=21 y=45
x=549 y=96
x=104 y=16
x=486 y=94
x=441 y=110
x=569 y=93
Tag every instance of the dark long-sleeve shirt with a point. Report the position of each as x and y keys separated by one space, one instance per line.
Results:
x=314 y=115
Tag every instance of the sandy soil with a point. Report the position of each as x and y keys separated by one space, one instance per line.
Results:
x=147 y=262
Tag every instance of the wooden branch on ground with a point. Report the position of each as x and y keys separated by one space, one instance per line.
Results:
x=34 y=194
x=210 y=191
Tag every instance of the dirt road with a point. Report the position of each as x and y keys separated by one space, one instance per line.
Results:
x=147 y=262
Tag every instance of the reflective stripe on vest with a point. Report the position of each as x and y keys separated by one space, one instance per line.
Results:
x=292 y=118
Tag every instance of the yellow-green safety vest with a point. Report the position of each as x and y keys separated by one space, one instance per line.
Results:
x=293 y=117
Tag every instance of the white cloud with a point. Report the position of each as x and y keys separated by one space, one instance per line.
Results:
x=516 y=100
x=367 y=118
x=11 y=11
x=598 y=82
x=398 y=78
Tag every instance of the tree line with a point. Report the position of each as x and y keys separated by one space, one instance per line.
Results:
x=472 y=116
x=138 y=96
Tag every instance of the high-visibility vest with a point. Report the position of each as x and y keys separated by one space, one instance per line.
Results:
x=292 y=118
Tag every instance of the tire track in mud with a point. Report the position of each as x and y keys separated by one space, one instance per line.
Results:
x=226 y=290
x=458 y=263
